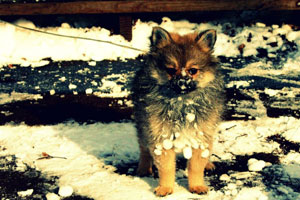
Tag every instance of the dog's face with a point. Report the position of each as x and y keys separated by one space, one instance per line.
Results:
x=182 y=62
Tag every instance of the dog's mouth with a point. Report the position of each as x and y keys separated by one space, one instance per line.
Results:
x=183 y=85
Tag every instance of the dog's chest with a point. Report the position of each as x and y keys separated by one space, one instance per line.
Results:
x=181 y=128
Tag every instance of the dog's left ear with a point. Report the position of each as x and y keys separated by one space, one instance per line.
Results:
x=160 y=37
x=207 y=40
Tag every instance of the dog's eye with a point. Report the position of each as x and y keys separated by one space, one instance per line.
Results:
x=193 y=71
x=171 y=71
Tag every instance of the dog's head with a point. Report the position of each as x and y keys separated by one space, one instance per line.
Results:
x=184 y=62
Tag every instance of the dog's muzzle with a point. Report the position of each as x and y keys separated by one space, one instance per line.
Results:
x=183 y=85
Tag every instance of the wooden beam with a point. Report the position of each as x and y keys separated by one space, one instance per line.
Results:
x=132 y=6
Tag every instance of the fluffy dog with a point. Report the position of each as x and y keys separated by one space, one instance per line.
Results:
x=178 y=102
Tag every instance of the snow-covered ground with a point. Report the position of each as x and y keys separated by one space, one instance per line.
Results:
x=88 y=158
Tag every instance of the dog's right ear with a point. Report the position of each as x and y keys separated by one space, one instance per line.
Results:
x=160 y=37
x=207 y=39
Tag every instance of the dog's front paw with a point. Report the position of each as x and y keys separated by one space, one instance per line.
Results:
x=201 y=189
x=162 y=191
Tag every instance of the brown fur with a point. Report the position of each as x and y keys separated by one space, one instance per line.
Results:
x=179 y=93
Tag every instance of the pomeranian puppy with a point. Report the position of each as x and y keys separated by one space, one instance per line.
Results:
x=178 y=102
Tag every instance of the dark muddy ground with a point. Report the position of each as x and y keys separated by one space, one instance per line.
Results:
x=73 y=103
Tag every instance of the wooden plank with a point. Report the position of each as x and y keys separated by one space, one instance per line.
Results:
x=131 y=6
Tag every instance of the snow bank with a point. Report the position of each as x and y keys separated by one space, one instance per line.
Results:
x=19 y=46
